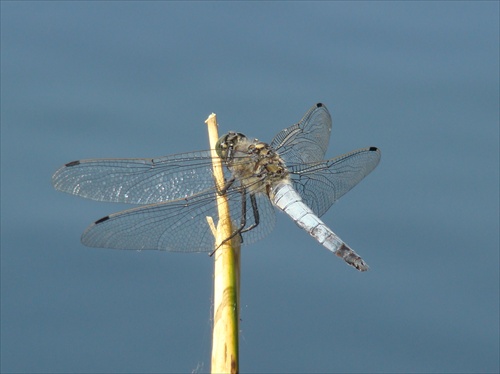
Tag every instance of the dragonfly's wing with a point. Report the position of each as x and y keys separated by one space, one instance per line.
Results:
x=137 y=181
x=179 y=225
x=306 y=141
x=322 y=183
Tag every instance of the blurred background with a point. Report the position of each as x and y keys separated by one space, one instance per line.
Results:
x=420 y=80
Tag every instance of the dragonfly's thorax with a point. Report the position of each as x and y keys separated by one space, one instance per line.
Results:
x=255 y=164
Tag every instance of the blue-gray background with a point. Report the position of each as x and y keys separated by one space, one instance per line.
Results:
x=418 y=80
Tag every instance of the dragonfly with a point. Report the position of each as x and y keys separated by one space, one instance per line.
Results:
x=176 y=193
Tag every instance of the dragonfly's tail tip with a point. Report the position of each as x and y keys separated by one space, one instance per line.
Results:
x=362 y=266
x=358 y=263
x=352 y=258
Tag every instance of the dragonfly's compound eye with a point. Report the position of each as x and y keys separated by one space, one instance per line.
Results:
x=221 y=147
x=226 y=144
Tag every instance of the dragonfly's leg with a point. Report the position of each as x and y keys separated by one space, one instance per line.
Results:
x=256 y=216
x=226 y=187
x=243 y=220
x=243 y=217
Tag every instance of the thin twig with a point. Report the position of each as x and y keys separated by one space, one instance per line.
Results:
x=226 y=274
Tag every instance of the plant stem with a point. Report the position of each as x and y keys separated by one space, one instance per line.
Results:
x=226 y=274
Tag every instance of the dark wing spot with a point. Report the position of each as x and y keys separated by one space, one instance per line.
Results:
x=72 y=163
x=319 y=105
x=101 y=220
x=373 y=149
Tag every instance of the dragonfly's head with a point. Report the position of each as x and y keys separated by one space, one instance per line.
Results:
x=226 y=144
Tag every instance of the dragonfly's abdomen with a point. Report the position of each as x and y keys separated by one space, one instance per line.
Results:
x=287 y=199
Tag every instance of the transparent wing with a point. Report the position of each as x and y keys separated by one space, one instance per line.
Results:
x=320 y=184
x=137 y=181
x=178 y=225
x=153 y=180
x=306 y=141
